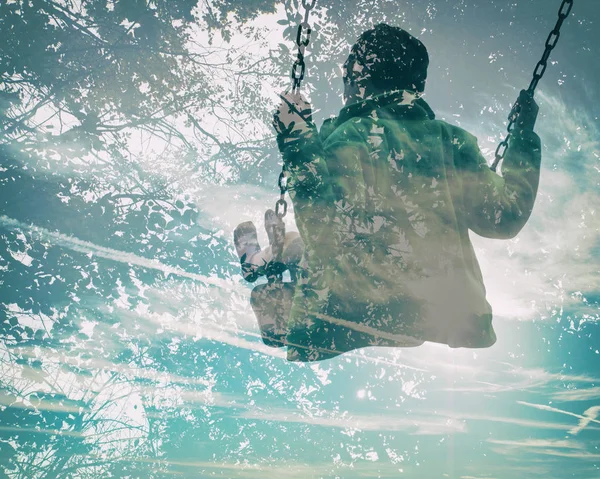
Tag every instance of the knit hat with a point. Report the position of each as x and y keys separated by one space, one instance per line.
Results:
x=389 y=58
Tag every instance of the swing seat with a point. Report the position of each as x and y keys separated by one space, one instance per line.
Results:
x=272 y=303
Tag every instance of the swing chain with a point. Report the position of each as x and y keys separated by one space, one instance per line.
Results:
x=298 y=71
x=538 y=73
x=276 y=268
x=551 y=41
x=282 y=183
x=302 y=41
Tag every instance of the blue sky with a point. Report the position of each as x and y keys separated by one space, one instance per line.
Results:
x=527 y=407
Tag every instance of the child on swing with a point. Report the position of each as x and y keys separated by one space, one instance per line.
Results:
x=384 y=197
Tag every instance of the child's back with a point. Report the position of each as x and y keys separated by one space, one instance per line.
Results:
x=384 y=200
x=392 y=252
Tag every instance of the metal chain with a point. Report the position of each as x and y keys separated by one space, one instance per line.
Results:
x=538 y=73
x=281 y=203
x=276 y=268
x=298 y=71
x=302 y=41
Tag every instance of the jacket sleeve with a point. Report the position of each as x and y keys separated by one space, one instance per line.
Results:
x=324 y=175
x=304 y=159
x=309 y=183
x=498 y=206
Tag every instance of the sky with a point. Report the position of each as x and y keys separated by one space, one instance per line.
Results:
x=527 y=407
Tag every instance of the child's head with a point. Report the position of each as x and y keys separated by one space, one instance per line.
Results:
x=384 y=59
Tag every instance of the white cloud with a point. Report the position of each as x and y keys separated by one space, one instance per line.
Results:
x=568 y=454
x=41 y=405
x=89 y=248
x=550 y=447
x=589 y=416
x=577 y=394
x=480 y=372
x=535 y=443
x=276 y=469
x=32 y=430
x=416 y=424
x=511 y=451
x=525 y=423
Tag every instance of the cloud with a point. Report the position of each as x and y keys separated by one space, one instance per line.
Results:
x=427 y=424
x=577 y=394
x=535 y=443
x=540 y=374
x=526 y=423
x=571 y=455
x=59 y=405
x=271 y=469
x=33 y=430
x=589 y=416
x=93 y=363
x=89 y=248
x=548 y=447
x=201 y=327
x=551 y=452
x=486 y=375
x=516 y=378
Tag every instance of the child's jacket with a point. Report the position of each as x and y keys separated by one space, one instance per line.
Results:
x=384 y=198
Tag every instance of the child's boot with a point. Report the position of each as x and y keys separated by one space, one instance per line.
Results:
x=246 y=245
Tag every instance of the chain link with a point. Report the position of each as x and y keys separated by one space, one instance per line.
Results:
x=538 y=73
x=281 y=203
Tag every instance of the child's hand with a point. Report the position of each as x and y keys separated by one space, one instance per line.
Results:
x=294 y=116
x=528 y=112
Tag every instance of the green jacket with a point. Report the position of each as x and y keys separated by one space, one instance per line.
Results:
x=384 y=197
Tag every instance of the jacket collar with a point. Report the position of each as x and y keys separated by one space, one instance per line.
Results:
x=393 y=105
